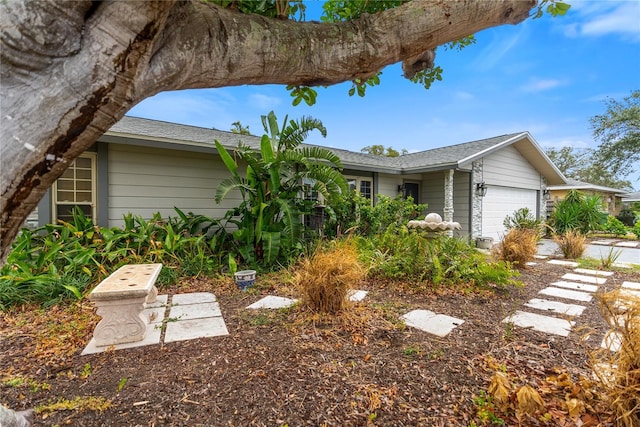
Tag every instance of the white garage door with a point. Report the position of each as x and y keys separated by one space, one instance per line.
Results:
x=500 y=202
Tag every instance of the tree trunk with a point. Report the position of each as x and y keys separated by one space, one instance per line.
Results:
x=72 y=70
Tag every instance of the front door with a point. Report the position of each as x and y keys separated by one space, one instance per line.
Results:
x=412 y=189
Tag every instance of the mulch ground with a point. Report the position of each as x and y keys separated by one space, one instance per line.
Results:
x=290 y=367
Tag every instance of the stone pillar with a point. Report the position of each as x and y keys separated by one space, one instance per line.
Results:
x=476 y=200
x=448 y=198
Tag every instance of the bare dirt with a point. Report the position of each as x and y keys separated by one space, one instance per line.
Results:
x=293 y=368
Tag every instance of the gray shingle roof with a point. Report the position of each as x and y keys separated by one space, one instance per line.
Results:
x=449 y=156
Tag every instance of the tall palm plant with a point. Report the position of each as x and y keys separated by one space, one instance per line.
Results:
x=268 y=220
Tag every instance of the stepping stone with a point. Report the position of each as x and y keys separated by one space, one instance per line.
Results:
x=593 y=272
x=195 y=311
x=566 y=293
x=556 y=307
x=588 y=279
x=192 y=298
x=627 y=244
x=428 y=321
x=605 y=242
x=271 y=301
x=561 y=262
x=622 y=265
x=612 y=341
x=541 y=256
x=530 y=264
x=182 y=330
x=356 y=296
x=576 y=286
x=538 y=322
x=156 y=309
x=631 y=285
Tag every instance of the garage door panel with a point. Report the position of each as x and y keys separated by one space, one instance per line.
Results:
x=500 y=202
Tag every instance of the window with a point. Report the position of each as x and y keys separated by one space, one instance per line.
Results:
x=363 y=185
x=76 y=187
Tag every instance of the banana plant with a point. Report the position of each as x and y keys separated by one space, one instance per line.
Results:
x=269 y=218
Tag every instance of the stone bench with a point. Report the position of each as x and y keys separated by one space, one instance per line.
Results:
x=120 y=299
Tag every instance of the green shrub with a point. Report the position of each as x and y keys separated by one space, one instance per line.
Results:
x=636 y=229
x=352 y=211
x=578 y=212
x=403 y=254
x=522 y=219
x=59 y=262
x=614 y=226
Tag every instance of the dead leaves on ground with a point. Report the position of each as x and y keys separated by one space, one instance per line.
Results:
x=557 y=399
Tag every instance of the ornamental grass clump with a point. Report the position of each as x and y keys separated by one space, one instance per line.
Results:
x=518 y=246
x=572 y=244
x=618 y=366
x=325 y=278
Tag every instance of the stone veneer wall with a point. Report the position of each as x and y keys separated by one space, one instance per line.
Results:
x=476 y=200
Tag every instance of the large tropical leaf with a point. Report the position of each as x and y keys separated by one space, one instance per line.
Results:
x=228 y=161
x=230 y=184
x=271 y=245
x=295 y=133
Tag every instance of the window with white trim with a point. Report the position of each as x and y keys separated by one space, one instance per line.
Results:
x=363 y=185
x=76 y=187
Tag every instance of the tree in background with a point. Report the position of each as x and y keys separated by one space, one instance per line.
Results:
x=381 y=150
x=79 y=66
x=236 y=127
x=583 y=165
x=618 y=131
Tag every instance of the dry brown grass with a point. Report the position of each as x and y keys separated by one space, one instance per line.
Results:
x=572 y=244
x=325 y=279
x=519 y=246
x=619 y=371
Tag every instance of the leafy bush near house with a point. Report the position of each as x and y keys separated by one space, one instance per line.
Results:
x=59 y=262
x=578 y=212
x=403 y=254
x=636 y=229
x=351 y=211
x=627 y=217
x=522 y=219
x=614 y=226
x=269 y=229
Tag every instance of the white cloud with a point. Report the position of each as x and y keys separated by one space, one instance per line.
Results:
x=603 y=18
x=264 y=102
x=539 y=85
x=463 y=96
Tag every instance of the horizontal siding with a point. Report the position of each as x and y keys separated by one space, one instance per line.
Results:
x=508 y=168
x=433 y=192
x=388 y=184
x=144 y=181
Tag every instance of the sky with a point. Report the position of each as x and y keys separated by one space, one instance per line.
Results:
x=548 y=76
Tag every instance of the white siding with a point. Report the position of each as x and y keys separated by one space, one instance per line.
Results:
x=144 y=181
x=508 y=168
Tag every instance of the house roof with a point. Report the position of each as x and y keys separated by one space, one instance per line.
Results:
x=573 y=184
x=631 y=197
x=460 y=156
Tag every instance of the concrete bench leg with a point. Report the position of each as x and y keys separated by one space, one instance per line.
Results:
x=152 y=296
x=122 y=321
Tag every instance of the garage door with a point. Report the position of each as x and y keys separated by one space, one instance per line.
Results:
x=500 y=202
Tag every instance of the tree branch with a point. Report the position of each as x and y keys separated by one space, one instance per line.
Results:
x=204 y=45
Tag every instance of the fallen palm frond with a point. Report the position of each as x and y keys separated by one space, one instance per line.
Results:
x=617 y=367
